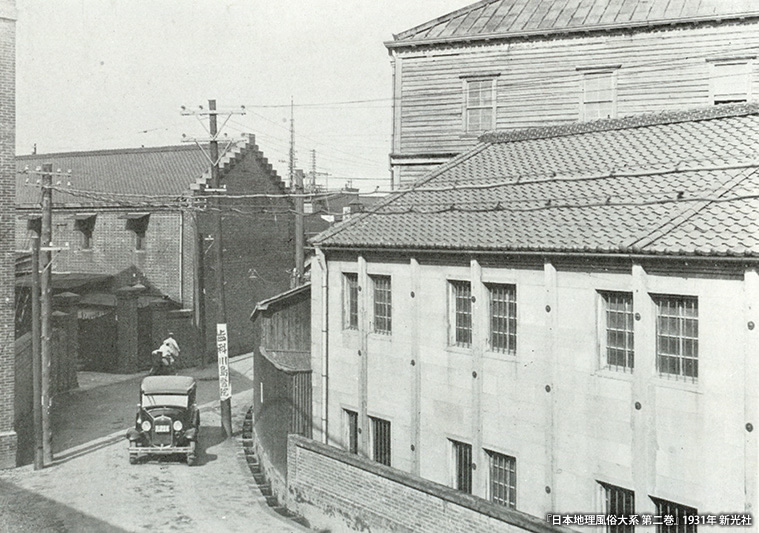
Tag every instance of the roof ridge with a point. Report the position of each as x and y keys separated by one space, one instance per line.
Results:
x=107 y=151
x=696 y=114
x=660 y=231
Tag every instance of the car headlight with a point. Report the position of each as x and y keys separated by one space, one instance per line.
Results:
x=145 y=425
x=177 y=425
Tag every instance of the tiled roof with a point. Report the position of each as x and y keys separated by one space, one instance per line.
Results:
x=668 y=183
x=168 y=170
x=504 y=18
x=126 y=175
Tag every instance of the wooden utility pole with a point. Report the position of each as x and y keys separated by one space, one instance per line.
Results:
x=36 y=351
x=222 y=340
x=221 y=316
x=46 y=310
x=296 y=178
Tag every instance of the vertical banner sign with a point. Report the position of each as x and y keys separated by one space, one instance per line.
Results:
x=225 y=389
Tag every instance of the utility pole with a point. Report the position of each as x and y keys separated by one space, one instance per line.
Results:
x=46 y=310
x=36 y=350
x=225 y=393
x=296 y=178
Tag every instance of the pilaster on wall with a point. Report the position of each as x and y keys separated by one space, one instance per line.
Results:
x=751 y=402
x=320 y=347
x=480 y=324
x=416 y=366
x=552 y=313
x=363 y=356
x=644 y=395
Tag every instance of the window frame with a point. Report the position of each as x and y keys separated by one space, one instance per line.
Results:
x=468 y=84
x=604 y=331
x=510 y=318
x=508 y=486
x=379 y=304
x=138 y=225
x=665 y=507
x=381 y=439
x=680 y=335
x=350 y=300
x=461 y=465
x=585 y=101
x=454 y=314
x=85 y=226
x=609 y=491
x=350 y=430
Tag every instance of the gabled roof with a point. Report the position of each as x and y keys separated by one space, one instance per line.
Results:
x=128 y=177
x=670 y=183
x=490 y=19
x=281 y=299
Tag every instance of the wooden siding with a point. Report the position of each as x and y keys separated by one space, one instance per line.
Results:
x=538 y=81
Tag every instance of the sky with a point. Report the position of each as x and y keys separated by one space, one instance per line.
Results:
x=103 y=74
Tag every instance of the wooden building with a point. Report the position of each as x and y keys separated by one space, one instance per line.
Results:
x=560 y=320
x=513 y=64
x=282 y=377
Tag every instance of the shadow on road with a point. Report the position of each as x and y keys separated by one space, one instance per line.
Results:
x=25 y=511
x=209 y=436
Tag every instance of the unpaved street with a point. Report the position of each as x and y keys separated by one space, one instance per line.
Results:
x=92 y=487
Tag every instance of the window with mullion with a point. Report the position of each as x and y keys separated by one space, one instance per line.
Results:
x=677 y=337
x=673 y=517
x=462 y=466
x=618 y=326
x=382 y=304
x=380 y=440
x=479 y=105
x=618 y=502
x=461 y=308
x=503 y=479
x=350 y=301
x=503 y=318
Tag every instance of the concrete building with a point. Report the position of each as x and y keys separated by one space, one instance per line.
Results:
x=512 y=64
x=7 y=258
x=560 y=320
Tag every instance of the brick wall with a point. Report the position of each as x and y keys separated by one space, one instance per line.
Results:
x=340 y=491
x=7 y=194
x=258 y=248
x=112 y=250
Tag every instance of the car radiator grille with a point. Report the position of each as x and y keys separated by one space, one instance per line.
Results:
x=162 y=438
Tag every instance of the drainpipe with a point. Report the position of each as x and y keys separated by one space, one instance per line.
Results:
x=324 y=342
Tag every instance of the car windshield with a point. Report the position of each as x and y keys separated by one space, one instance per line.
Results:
x=164 y=400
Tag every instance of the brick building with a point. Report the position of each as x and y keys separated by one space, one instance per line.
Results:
x=512 y=64
x=127 y=215
x=7 y=259
x=560 y=320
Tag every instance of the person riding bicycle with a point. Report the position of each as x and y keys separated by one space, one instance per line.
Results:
x=168 y=352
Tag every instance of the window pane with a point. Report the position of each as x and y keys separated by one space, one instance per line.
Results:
x=380 y=440
x=503 y=479
x=461 y=295
x=382 y=304
x=618 y=314
x=350 y=308
x=462 y=459
x=677 y=336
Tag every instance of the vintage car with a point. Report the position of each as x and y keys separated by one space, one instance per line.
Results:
x=168 y=419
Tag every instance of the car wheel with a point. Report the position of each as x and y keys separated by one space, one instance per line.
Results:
x=132 y=452
x=191 y=457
